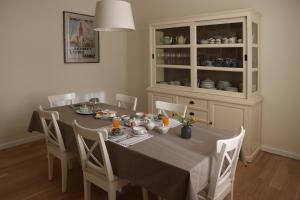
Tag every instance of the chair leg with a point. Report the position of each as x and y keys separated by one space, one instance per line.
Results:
x=112 y=195
x=70 y=164
x=64 y=174
x=50 y=166
x=145 y=194
x=87 y=189
x=231 y=193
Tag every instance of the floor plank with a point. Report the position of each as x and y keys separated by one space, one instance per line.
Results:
x=23 y=175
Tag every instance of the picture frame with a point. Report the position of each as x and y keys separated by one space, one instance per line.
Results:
x=81 y=42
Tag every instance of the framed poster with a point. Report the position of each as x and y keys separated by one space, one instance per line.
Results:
x=81 y=42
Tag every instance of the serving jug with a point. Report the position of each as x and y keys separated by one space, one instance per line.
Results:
x=181 y=39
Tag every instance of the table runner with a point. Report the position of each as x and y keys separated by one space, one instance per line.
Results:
x=172 y=167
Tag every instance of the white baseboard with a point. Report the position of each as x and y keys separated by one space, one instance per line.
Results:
x=21 y=141
x=280 y=152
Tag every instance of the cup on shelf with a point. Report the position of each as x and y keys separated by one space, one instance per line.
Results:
x=209 y=63
x=211 y=41
x=232 y=40
x=225 y=40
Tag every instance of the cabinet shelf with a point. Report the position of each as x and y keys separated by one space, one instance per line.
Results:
x=174 y=66
x=224 y=69
x=173 y=46
x=236 y=45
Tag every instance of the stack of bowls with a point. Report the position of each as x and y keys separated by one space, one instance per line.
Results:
x=231 y=89
x=208 y=84
x=223 y=84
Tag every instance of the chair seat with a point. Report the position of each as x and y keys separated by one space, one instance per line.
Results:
x=101 y=180
x=56 y=152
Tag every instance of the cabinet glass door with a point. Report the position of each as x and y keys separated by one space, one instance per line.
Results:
x=173 y=56
x=254 y=81
x=173 y=76
x=220 y=55
x=255 y=54
x=172 y=36
x=218 y=80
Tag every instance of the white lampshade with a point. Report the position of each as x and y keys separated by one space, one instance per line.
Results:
x=113 y=15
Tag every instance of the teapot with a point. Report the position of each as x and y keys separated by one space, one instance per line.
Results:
x=150 y=124
x=167 y=40
x=181 y=39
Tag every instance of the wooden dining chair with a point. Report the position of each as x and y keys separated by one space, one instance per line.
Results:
x=55 y=145
x=164 y=107
x=62 y=99
x=96 y=169
x=126 y=101
x=223 y=169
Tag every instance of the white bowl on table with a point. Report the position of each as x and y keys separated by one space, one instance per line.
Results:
x=139 y=130
x=139 y=115
x=163 y=129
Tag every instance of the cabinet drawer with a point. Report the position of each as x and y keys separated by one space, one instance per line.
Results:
x=162 y=97
x=201 y=115
x=193 y=102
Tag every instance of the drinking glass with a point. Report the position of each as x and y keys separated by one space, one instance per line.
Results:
x=165 y=120
x=167 y=55
x=173 y=58
x=179 y=57
x=116 y=123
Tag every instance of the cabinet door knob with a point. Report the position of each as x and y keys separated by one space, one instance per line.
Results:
x=192 y=102
x=210 y=123
x=192 y=113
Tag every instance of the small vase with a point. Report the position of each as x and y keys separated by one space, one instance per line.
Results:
x=186 y=132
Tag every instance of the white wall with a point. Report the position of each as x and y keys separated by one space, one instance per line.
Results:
x=280 y=58
x=31 y=61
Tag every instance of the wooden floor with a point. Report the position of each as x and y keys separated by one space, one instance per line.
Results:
x=23 y=176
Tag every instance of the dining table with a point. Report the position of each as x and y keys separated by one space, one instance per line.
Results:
x=166 y=164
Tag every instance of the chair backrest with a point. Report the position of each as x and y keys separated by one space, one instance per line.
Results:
x=224 y=168
x=163 y=107
x=87 y=96
x=90 y=142
x=126 y=101
x=62 y=99
x=51 y=129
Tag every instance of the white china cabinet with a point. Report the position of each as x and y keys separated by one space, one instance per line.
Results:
x=211 y=64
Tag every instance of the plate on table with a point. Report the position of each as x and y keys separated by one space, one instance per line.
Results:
x=139 y=131
x=107 y=114
x=116 y=132
x=84 y=112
